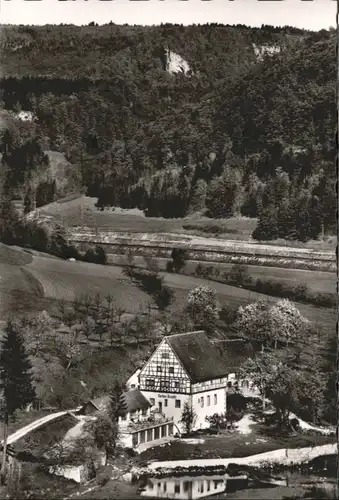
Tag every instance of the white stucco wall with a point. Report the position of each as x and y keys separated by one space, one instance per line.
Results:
x=208 y=409
x=133 y=381
x=170 y=410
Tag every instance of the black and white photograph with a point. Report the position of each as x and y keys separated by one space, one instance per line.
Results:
x=168 y=239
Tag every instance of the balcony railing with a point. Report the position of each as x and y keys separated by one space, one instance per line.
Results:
x=148 y=423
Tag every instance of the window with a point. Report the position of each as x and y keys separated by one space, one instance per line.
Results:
x=171 y=369
x=177 y=488
x=208 y=485
x=208 y=400
x=186 y=486
x=163 y=431
x=165 y=355
x=170 y=429
x=177 y=403
x=164 y=385
x=177 y=385
x=132 y=386
x=229 y=384
x=215 y=399
x=202 y=402
x=150 y=383
x=144 y=412
x=165 y=403
x=156 y=432
x=149 y=434
x=159 y=369
x=142 y=436
x=152 y=401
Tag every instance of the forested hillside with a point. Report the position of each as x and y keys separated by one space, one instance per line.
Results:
x=249 y=129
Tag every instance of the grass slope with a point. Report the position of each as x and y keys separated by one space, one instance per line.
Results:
x=230 y=295
x=37 y=284
x=316 y=281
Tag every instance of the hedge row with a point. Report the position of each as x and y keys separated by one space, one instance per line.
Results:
x=239 y=276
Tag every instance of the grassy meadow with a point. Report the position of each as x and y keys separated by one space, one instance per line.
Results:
x=37 y=281
x=316 y=281
x=81 y=211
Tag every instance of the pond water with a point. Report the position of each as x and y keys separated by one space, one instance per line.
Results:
x=204 y=486
x=319 y=479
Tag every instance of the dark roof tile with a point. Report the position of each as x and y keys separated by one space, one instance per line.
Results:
x=134 y=400
x=198 y=355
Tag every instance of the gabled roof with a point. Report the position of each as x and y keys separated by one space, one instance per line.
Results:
x=134 y=400
x=198 y=356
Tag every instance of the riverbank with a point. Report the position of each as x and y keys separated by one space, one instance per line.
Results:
x=284 y=456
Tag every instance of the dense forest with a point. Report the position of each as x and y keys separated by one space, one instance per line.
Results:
x=248 y=129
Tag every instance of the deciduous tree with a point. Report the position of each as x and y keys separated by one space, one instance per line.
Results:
x=203 y=307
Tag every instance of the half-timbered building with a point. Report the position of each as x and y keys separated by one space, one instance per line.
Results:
x=186 y=368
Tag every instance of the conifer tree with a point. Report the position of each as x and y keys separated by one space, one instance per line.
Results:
x=267 y=228
x=118 y=405
x=188 y=418
x=15 y=380
x=286 y=220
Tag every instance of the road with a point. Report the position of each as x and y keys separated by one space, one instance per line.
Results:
x=20 y=433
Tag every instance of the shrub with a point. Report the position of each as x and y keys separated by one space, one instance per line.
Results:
x=179 y=259
x=239 y=274
x=199 y=270
x=89 y=256
x=101 y=257
x=96 y=256
x=169 y=266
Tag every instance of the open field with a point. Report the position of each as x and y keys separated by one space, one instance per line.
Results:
x=82 y=212
x=317 y=281
x=38 y=284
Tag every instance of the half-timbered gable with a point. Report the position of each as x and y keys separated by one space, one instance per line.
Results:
x=164 y=372
x=188 y=368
